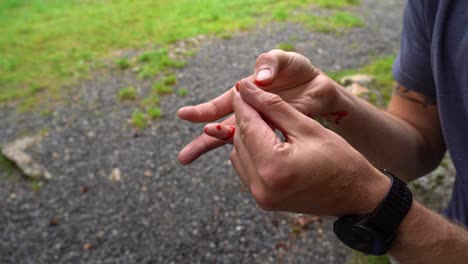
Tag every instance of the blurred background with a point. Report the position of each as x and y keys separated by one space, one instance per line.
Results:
x=89 y=137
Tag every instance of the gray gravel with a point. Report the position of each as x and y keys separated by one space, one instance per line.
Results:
x=197 y=214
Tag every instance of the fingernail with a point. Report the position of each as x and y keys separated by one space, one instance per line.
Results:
x=262 y=75
x=237 y=86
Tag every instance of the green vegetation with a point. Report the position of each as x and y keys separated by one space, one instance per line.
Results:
x=154 y=62
x=128 y=93
x=337 y=3
x=381 y=69
x=151 y=100
x=359 y=258
x=45 y=45
x=6 y=165
x=161 y=88
x=139 y=120
x=170 y=80
x=123 y=63
x=36 y=185
x=182 y=91
x=331 y=23
x=154 y=112
x=286 y=46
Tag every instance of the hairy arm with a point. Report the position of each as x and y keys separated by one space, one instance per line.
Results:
x=406 y=138
x=425 y=237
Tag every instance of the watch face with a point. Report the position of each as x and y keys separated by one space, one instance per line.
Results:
x=356 y=238
x=360 y=238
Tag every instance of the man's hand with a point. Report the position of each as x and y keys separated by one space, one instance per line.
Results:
x=313 y=171
x=288 y=74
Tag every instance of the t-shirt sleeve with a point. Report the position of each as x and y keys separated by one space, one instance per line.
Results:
x=412 y=67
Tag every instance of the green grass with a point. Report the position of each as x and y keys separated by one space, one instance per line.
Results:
x=161 y=88
x=155 y=62
x=337 y=3
x=286 y=46
x=139 y=120
x=128 y=93
x=170 y=80
x=6 y=165
x=151 y=100
x=182 y=91
x=123 y=63
x=154 y=112
x=359 y=258
x=330 y=23
x=45 y=45
x=381 y=69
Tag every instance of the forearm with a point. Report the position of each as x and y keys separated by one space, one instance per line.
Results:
x=425 y=237
x=386 y=140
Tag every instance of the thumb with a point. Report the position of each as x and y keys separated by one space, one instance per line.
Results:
x=268 y=65
x=276 y=111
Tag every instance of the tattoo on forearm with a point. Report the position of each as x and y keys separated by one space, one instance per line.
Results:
x=403 y=92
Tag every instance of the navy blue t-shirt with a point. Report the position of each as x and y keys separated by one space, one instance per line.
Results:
x=433 y=60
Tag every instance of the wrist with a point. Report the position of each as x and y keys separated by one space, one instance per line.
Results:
x=373 y=190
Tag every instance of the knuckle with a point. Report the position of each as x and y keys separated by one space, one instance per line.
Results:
x=263 y=198
x=244 y=128
x=275 y=176
x=272 y=100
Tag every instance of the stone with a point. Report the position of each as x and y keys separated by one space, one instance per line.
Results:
x=116 y=175
x=17 y=152
x=357 y=89
x=362 y=79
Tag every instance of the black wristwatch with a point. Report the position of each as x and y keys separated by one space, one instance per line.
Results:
x=374 y=233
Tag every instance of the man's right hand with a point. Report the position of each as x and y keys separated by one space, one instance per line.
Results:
x=288 y=74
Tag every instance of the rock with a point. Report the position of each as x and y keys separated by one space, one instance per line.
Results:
x=357 y=89
x=148 y=173
x=362 y=79
x=16 y=151
x=115 y=175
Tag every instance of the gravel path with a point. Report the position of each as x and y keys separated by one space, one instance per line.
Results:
x=159 y=211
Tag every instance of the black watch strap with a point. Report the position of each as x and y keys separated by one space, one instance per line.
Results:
x=393 y=208
x=374 y=233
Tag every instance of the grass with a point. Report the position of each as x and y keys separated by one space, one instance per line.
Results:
x=182 y=91
x=286 y=46
x=338 y=20
x=170 y=80
x=151 y=100
x=381 y=69
x=128 y=93
x=45 y=45
x=139 y=120
x=123 y=63
x=155 y=62
x=359 y=258
x=154 y=112
x=6 y=165
x=162 y=88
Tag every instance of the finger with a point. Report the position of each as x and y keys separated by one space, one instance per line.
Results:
x=279 y=70
x=198 y=147
x=291 y=122
x=260 y=140
x=235 y=161
x=210 y=111
x=267 y=66
x=202 y=144
x=245 y=161
x=221 y=132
